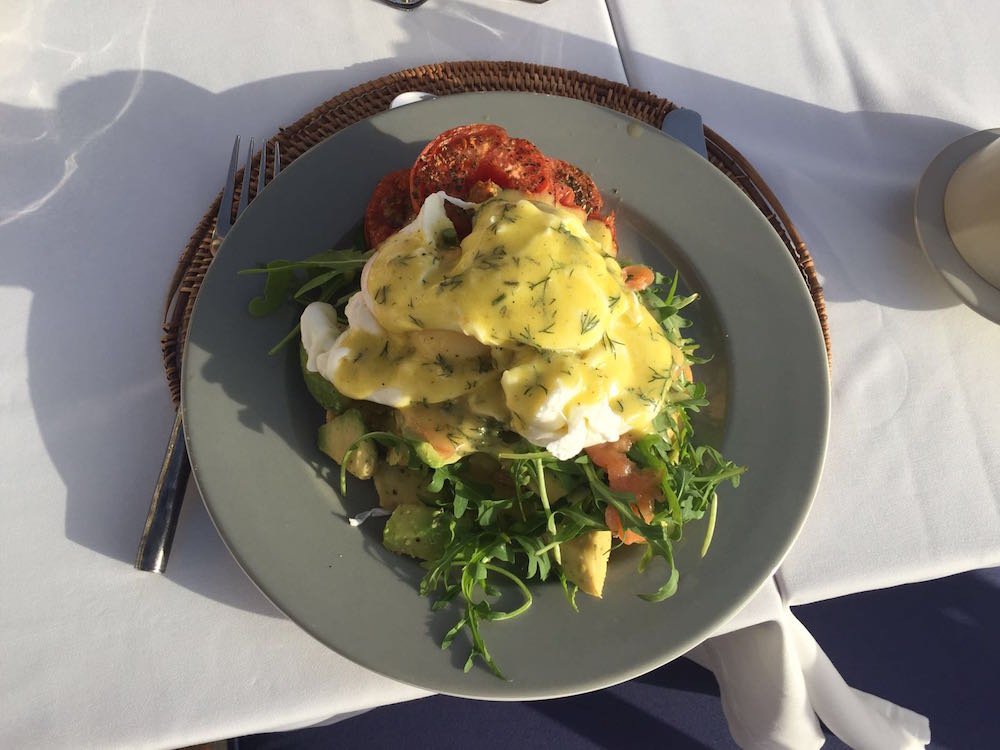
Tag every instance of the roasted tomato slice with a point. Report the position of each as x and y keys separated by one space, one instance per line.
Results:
x=389 y=208
x=517 y=164
x=573 y=187
x=460 y=158
x=452 y=162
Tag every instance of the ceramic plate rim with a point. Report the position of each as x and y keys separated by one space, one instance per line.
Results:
x=819 y=389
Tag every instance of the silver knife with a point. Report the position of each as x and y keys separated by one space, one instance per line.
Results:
x=686 y=126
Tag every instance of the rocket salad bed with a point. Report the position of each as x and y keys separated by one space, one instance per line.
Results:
x=521 y=400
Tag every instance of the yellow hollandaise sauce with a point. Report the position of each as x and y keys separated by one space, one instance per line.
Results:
x=524 y=325
x=528 y=273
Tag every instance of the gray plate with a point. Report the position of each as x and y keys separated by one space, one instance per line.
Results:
x=932 y=229
x=251 y=425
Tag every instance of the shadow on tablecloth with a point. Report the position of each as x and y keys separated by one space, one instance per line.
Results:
x=112 y=179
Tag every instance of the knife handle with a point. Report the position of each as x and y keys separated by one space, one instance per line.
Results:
x=164 y=511
x=686 y=126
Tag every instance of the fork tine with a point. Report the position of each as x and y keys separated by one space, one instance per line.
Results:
x=224 y=220
x=277 y=160
x=262 y=170
x=245 y=192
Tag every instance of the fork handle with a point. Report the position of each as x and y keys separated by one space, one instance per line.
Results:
x=161 y=523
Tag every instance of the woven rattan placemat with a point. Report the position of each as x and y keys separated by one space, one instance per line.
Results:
x=450 y=78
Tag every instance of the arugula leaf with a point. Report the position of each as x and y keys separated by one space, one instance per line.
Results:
x=279 y=279
x=513 y=535
x=326 y=273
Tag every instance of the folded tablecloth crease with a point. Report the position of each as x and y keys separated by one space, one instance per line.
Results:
x=777 y=684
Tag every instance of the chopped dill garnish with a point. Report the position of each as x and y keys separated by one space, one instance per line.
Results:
x=527 y=338
x=611 y=345
x=657 y=375
x=541 y=282
x=445 y=366
x=450 y=282
x=504 y=217
x=588 y=321
x=533 y=386
x=642 y=395
x=491 y=260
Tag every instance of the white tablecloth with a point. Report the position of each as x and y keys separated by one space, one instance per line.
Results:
x=841 y=106
x=114 y=125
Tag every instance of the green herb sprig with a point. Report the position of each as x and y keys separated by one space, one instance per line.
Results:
x=513 y=537
x=318 y=278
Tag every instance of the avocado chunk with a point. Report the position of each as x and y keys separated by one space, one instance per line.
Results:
x=585 y=560
x=415 y=530
x=320 y=388
x=455 y=431
x=426 y=453
x=339 y=434
x=397 y=485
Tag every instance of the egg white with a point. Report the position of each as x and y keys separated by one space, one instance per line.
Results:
x=430 y=222
x=324 y=342
x=565 y=430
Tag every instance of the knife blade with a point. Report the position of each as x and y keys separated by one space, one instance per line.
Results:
x=686 y=126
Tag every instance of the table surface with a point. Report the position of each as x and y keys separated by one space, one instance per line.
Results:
x=841 y=115
x=114 y=126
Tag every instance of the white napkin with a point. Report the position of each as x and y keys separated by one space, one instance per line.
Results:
x=776 y=684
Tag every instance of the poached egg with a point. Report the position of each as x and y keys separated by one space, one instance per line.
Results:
x=525 y=324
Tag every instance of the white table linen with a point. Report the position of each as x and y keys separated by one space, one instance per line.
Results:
x=781 y=658
x=115 y=124
x=840 y=107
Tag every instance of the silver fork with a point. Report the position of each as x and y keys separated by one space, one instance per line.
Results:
x=168 y=494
